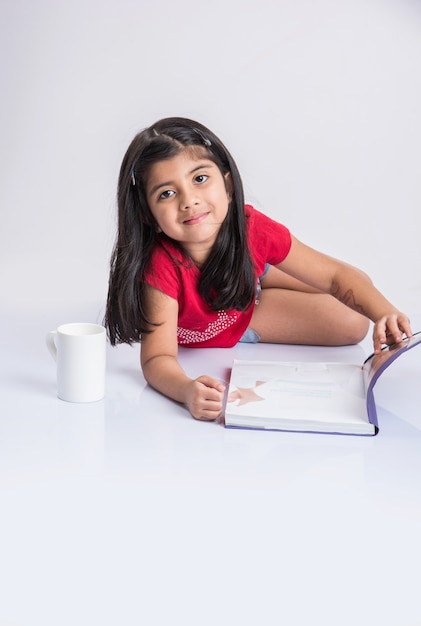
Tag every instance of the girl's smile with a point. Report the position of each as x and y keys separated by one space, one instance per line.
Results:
x=189 y=199
x=195 y=219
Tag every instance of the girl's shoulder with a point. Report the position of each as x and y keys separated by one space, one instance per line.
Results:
x=257 y=218
x=166 y=251
x=168 y=260
x=168 y=268
x=269 y=240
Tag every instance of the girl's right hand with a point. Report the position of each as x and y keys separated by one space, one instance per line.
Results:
x=390 y=329
x=204 y=398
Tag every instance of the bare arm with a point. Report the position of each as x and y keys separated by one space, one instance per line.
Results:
x=350 y=286
x=202 y=396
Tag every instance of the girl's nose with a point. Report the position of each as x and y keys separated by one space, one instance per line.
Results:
x=189 y=199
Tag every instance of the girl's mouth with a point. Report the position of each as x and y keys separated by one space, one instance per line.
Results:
x=195 y=219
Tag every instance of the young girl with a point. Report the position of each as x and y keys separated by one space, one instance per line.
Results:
x=194 y=266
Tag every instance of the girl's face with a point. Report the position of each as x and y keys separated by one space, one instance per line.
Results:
x=189 y=199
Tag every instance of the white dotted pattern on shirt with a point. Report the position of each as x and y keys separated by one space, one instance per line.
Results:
x=224 y=321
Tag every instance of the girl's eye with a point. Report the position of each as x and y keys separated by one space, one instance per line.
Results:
x=166 y=194
x=202 y=178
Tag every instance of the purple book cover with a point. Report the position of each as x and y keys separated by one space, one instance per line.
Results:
x=376 y=364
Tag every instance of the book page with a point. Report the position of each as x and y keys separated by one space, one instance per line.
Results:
x=327 y=392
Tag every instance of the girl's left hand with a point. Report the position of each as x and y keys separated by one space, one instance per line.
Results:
x=390 y=329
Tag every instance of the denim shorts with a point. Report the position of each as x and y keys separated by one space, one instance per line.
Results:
x=250 y=336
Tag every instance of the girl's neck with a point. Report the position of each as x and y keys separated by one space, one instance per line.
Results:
x=198 y=262
x=198 y=256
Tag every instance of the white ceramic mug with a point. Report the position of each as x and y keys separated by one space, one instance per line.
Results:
x=79 y=350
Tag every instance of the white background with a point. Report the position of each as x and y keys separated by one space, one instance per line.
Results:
x=319 y=101
x=128 y=512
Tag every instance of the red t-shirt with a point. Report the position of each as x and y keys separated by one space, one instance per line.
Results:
x=175 y=275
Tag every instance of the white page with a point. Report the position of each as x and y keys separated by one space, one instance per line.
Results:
x=328 y=392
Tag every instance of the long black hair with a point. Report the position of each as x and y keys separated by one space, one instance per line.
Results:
x=227 y=277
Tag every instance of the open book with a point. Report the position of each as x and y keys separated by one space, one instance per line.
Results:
x=309 y=397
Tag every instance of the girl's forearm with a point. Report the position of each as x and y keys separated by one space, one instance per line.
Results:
x=203 y=396
x=356 y=290
x=165 y=374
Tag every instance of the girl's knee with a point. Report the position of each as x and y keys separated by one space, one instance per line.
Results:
x=358 y=328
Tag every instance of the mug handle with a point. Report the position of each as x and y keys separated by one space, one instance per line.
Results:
x=51 y=344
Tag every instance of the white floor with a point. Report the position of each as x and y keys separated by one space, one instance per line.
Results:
x=129 y=512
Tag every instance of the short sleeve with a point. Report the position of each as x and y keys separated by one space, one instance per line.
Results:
x=269 y=241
